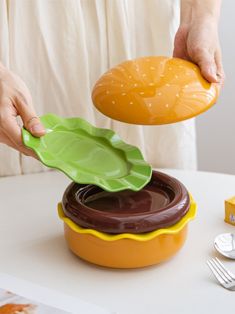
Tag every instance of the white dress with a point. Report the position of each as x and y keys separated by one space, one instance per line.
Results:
x=61 y=47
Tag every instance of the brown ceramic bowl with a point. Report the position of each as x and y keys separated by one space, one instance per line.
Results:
x=161 y=203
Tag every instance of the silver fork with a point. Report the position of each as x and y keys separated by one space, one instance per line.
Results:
x=222 y=274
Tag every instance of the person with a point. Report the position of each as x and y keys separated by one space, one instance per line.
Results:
x=60 y=48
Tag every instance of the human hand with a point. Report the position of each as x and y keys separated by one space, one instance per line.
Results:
x=197 y=40
x=15 y=100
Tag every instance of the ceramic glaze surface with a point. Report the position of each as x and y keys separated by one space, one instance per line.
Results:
x=89 y=155
x=161 y=203
x=126 y=250
x=153 y=90
x=144 y=201
x=141 y=237
x=225 y=244
x=115 y=164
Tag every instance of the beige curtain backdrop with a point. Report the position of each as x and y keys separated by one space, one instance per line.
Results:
x=61 y=47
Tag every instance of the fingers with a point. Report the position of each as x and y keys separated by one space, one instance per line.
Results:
x=31 y=121
x=21 y=149
x=210 y=63
x=34 y=126
x=180 y=50
x=206 y=62
x=13 y=136
x=219 y=65
x=211 y=66
x=15 y=99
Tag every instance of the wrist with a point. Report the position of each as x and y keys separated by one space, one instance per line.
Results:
x=199 y=10
x=208 y=9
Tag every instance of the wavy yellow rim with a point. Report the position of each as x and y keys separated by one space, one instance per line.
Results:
x=138 y=237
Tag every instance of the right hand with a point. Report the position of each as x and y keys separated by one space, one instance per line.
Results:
x=15 y=100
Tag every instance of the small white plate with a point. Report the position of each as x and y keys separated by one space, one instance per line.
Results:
x=225 y=244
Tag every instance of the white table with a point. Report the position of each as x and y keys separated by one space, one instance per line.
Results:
x=32 y=247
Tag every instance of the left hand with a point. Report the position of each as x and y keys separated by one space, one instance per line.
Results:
x=198 y=41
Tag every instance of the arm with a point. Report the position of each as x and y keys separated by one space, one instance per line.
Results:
x=15 y=100
x=197 y=37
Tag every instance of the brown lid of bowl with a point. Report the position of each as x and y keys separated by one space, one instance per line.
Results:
x=161 y=203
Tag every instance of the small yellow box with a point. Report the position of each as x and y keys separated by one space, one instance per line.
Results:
x=230 y=211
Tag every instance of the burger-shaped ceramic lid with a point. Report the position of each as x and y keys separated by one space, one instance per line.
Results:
x=153 y=90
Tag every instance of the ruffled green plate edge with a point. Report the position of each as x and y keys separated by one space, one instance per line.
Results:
x=140 y=171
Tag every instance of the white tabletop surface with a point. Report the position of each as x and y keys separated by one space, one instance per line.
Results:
x=32 y=247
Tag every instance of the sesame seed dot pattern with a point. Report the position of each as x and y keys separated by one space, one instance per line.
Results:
x=153 y=90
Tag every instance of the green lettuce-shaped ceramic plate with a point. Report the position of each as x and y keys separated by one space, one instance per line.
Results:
x=89 y=155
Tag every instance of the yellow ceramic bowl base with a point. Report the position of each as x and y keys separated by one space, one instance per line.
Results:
x=126 y=250
x=124 y=253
